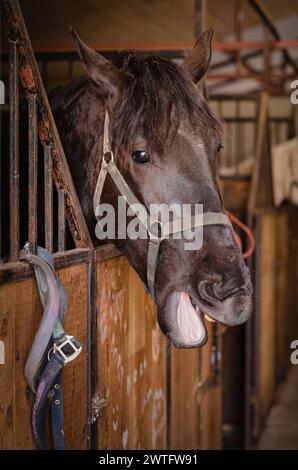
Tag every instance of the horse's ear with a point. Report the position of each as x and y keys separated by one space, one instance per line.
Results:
x=101 y=70
x=198 y=62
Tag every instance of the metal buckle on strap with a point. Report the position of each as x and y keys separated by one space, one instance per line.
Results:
x=66 y=357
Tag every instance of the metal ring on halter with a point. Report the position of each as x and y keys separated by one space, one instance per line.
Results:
x=111 y=154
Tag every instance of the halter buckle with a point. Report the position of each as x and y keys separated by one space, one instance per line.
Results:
x=71 y=341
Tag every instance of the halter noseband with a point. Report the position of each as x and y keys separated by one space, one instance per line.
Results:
x=209 y=218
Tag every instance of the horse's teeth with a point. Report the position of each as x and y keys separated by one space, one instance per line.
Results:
x=209 y=318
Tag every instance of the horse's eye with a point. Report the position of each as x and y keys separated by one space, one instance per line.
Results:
x=219 y=148
x=140 y=156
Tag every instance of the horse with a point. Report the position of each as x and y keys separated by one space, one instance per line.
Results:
x=166 y=142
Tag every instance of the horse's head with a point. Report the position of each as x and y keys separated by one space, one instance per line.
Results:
x=166 y=142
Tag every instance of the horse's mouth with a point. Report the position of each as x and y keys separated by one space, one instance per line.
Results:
x=183 y=321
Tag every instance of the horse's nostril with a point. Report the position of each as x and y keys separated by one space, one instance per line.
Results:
x=211 y=291
x=248 y=288
x=223 y=290
x=206 y=292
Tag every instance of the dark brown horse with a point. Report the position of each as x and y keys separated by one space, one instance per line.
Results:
x=165 y=141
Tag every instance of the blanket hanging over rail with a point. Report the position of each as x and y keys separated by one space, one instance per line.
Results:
x=285 y=172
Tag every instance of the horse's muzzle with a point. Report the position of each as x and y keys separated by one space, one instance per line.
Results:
x=182 y=317
x=231 y=308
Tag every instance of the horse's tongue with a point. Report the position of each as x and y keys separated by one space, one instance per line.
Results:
x=189 y=321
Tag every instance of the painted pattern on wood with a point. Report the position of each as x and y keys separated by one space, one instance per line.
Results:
x=131 y=364
x=131 y=368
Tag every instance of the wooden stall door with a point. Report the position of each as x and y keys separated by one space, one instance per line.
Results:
x=20 y=315
x=211 y=396
x=184 y=406
x=195 y=398
x=149 y=394
x=131 y=362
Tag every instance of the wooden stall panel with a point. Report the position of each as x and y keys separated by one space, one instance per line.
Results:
x=266 y=313
x=184 y=409
x=20 y=315
x=74 y=280
x=131 y=363
x=282 y=313
x=292 y=281
x=7 y=331
x=20 y=311
x=28 y=312
x=210 y=395
x=195 y=414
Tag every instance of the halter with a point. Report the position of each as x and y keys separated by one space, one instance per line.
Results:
x=109 y=166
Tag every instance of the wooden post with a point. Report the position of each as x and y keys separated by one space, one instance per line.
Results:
x=14 y=151
x=261 y=185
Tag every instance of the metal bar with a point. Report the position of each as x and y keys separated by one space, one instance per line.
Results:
x=238 y=143
x=61 y=220
x=231 y=60
x=246 y=120
x=239 y=45
x=14 y=151
x=168 y=367
x=0 y=166
x=92 y=358
x=65 y=56
x=268 y=21
x=177 y=51
x=239 y=120
x=2 y=101
x=244 y=76
x=32 y=83
x=32 y=172
x=66 y=51
x=17 y=271
x=89 y=355
x=239 y=18
x=45 y=74
x=48 y=198
x=229 y=97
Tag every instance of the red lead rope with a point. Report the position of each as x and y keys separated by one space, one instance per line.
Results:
x=247 y=231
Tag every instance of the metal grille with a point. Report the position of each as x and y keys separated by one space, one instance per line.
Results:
x=32 y=157
x=239 y=115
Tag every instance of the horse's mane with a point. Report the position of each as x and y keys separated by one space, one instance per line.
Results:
x=158 y=91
